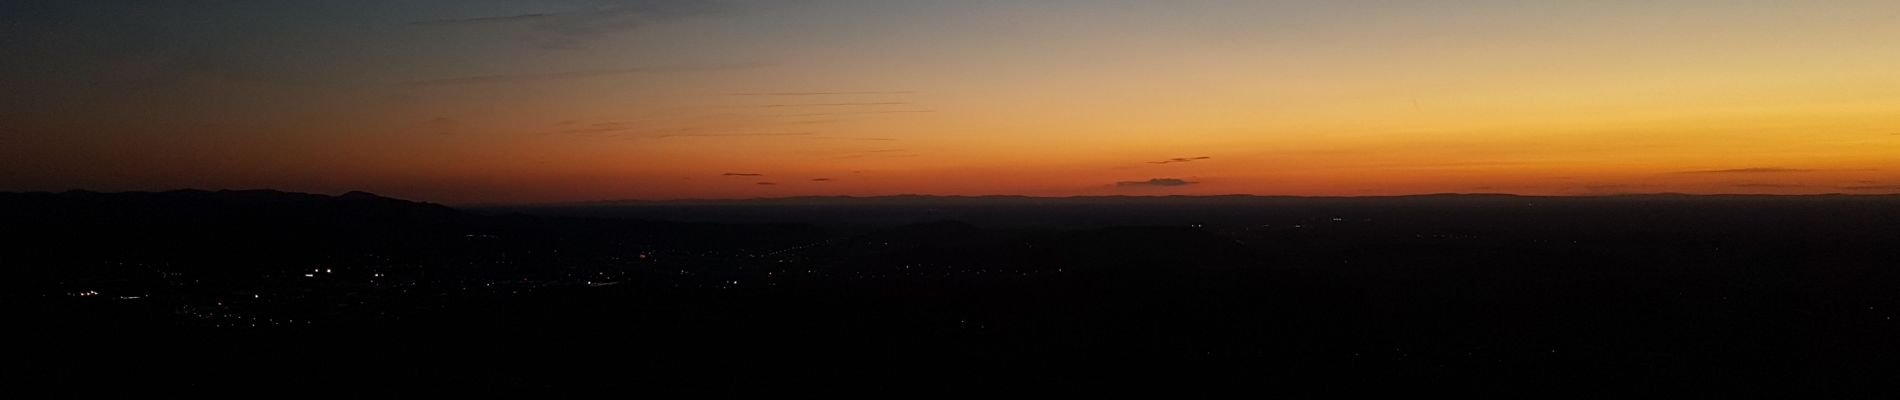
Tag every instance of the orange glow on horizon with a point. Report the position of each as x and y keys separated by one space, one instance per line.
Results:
x=1046 y=99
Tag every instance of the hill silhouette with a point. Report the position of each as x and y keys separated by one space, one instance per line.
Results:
x=1513 y=294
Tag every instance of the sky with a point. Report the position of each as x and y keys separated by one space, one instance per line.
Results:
x=471 y=101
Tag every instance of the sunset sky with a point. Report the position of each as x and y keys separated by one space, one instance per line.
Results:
x=533 y=101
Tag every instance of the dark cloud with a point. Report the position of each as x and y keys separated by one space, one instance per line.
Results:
x=594 y=128
x=879 y=103
x=604 y=17
x=1768 y=185
x=740 y=174
x=709 y=135
x=444 y=125
x=821 y=179
x=1180 y=160
x=584 y=74
x=816 y=93
x=846 y=155
x=856 y=138
x=591 y=20
x=485 y=20
x=1612 y=188
x=861 y=113
x=1156 y=182
x=892 y=112
x=1871 y=187
x=766 y=183
x=1750 y=171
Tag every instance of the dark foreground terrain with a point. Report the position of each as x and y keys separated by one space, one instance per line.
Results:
x=1634 y=295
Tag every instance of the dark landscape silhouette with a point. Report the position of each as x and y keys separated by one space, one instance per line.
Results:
x=992 y=199
x=1500 y=293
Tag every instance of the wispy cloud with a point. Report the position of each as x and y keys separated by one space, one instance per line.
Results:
x=592 y=129
x=582 y=74
x=1768 y=185
x=1156 y=182
x=1614 y=188
x=740 y=174
x=484 y=20
x=1180 y=160
x=868 y=139
x=444 y=125
x=860 y=113
x=729 y=135
x=818 y=93
x=1759 y=170
x=766 y=183
x=604 y=17
x=1871 y=187
x=821 y=179
x=851 y=154
x=591 y=20
x=880 y=103
x=892 y=112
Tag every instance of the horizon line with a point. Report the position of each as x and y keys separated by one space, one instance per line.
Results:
x=1229 y=195
x=967 y=196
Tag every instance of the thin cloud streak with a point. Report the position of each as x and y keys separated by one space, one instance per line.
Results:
x=717 y=135
x=1750 y=171
x=818 y=93
x=592 y=20
x=868 y=139
x=1179 y=160
x=885 y=103
x=1156 y=182
x=860 y=113
x=484 y=20
x=1871 y=187
x=891 y=112
x=584 y=74
x=444 y=125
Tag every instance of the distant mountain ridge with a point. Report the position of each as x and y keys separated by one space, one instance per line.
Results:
x=205 y=205
x=246 y=194
x=263 y=196
x=918 y=198
x=243 y=231
x=1103 y=211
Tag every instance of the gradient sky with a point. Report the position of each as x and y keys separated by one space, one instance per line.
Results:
x=526 y=101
